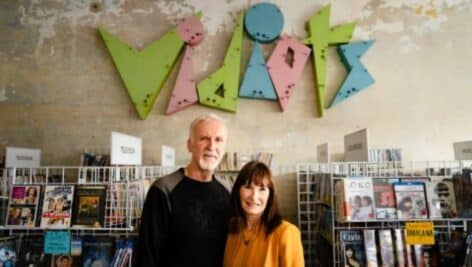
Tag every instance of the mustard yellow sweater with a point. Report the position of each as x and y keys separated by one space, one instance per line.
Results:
x=282 y=248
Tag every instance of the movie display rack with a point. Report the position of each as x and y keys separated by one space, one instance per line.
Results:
x=317 y=207
x=123 y=190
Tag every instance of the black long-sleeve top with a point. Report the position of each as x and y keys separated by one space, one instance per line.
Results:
x=184 y=223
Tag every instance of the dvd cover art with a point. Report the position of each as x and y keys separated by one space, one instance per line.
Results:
x=97 y=252
x=411 y=200
x=425 y=256
x=8 y=255
x=463 y=192
x=441 y=198
x=386 y=252
x=89 y=206
x=354 y=199
x=384 y=198
x=65 y=261
x=352 y=247
x=57 y=205
x=400 y=248
x=32 y=254
x=23 y=206
x=370 y=248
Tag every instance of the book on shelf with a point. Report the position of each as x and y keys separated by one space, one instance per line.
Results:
x=463 y=193
x=411 y=200
x=234 y=161
x=409 y=253
x=326 y=188
x=57 y=206
x=419 y=179
x=400 y=248
x=89 y=206
x=3 y=210
x=370 y=248
x=355 y=199
x=8 y=253
x=386 y=244
x=441 y=198
x=352 y=248
x=92 y=159
x=31 y=253
x=384 y=198
x=23 y=206
x=76 y=246
x=324 y=223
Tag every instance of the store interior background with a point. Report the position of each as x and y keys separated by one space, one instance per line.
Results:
x=60 y=92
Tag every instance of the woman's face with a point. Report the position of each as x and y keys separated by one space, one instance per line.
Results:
x=254 y=198
x=16 y=212
x=349 y=253
x=28 y=213
x=31 y=192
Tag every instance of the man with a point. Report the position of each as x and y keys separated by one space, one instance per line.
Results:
x=185 y=215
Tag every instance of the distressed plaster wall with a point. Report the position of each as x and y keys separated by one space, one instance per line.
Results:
x=60 y=92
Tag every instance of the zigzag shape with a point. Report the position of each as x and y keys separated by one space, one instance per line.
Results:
x=358 y=78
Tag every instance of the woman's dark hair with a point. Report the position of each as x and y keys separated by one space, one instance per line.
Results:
x=34 y=190
x=351 y=248
x=258 y=173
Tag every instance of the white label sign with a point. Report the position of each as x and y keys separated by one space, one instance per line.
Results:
x=22 y=157
x=322 y=153
x=125 y=149
x=356 y=146
x=167 y=156
x=463 y=150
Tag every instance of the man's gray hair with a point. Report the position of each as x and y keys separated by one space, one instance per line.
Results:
x=205 y=117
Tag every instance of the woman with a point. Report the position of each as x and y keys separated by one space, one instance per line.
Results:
x=31 y=195
x=258 y=236
x=351 y=260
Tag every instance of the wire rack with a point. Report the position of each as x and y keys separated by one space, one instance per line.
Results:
x=317 y=211
x=126 y=188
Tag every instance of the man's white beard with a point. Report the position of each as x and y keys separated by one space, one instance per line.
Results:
x=208 y=166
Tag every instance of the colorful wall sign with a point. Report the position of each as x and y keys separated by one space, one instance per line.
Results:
x=144 y=72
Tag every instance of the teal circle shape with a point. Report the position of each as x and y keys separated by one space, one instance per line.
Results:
x=264 y=22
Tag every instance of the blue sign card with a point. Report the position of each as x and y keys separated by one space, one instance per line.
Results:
x=57 y=242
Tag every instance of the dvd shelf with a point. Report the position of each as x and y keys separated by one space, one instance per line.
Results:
x=100 y=208
x=329 y=224
x=115 y=194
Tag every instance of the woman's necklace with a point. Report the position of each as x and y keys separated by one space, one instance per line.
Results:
x=250 y=235
x=246 y=239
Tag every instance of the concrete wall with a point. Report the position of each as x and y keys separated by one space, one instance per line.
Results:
x=60 y=92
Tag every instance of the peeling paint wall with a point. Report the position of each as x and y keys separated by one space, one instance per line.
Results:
x=60 y=92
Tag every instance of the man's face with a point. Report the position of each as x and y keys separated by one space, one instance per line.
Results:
x=207 y=144
x=443 y=195
x=427 y=259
